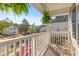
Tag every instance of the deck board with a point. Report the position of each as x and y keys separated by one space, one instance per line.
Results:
x=51 y=52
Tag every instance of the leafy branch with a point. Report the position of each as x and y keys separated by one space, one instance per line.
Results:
x=17 y=8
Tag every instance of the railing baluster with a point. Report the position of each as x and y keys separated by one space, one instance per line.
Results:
x=33 y=46
x=28 y=46
x=6 y=50
x=63 y=42
x=53 y=38
x=24 y=47
x=68 y=42
x=59 y=39
x=20 y=48
x=66 y=39
x=15 y=49
x=60 y=36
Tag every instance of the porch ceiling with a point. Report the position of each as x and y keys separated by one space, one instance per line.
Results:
x=53 y=8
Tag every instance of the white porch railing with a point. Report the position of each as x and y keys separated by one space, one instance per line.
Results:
x=63 y=42
x=59 y=38
x=35 y=44
x=30 y=45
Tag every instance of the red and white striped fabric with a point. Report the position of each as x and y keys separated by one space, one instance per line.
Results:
x=26 y=48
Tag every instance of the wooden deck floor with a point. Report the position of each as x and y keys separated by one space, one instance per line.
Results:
x=51 y=52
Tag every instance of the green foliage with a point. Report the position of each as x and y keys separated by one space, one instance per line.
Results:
x=25 y=22
x=4 y=24
x=2 y=6
x=18 y=8
x=23 y=28
x=7 y=9
x=46 y=18
x=32 y=29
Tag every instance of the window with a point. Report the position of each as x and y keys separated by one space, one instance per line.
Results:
x=77 y=20
x=14 y=32
x=63 y=18
x=73 y=13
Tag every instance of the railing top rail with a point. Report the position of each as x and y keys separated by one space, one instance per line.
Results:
x=12 y=40
x=59 y=31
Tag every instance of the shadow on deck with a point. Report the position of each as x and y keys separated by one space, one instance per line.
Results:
x=51 y=52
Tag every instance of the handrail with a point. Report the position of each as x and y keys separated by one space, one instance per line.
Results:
x=62 y=39
x=4 y=42
x=34 y=43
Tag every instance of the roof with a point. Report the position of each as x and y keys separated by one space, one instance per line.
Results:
x=53 y=8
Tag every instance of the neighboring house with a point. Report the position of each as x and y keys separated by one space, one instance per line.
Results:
x=33 y=28
x=11 y=30
x=38 y=29
x=43 y=28
x=60 y=23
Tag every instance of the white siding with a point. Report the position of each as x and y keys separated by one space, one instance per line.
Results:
x=60 y=26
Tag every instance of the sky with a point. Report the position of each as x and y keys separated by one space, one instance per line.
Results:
x=34 y=16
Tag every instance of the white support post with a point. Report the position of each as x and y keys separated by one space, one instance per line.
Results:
x=15 y=49
x=65 y=42
x=33 y=46
x=20 y=48
x=28 y=46
x=56 y=38
x=68 y=41
x=50 y=37
x=60 y=36
x=24 y=47
x=6 y=50
x=53 y=38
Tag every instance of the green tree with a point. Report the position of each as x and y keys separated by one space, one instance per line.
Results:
x=23 y=28
x=4 y=24
x=32 y=29
x=17 y=8
x=25 y=22
x=46 y=18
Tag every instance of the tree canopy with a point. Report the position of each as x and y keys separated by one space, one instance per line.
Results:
x=17 y=8
x=46 y=18
x=4 y=24
x=24 y=26
x=25 y=22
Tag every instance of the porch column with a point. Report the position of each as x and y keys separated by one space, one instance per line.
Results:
x=49 y=32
